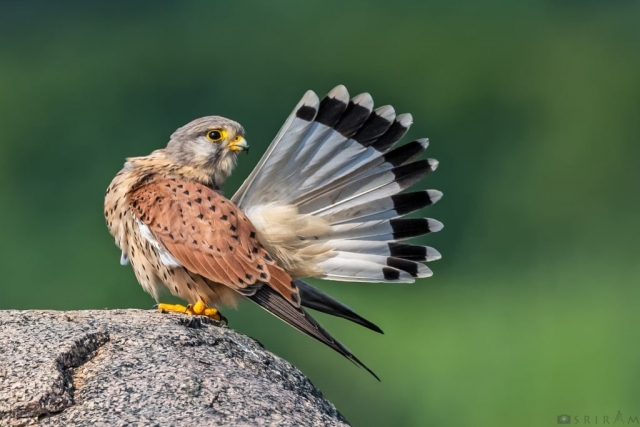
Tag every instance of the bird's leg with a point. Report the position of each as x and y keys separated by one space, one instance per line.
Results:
x=201 y=309
x=198 y=309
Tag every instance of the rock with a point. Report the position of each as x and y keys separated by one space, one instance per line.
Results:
x=135 y=367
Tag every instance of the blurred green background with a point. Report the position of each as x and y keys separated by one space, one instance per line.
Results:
x=532 y=108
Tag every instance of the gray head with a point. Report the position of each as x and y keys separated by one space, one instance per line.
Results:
x=209 y=143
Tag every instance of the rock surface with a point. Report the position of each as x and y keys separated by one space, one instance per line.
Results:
x=135 y=367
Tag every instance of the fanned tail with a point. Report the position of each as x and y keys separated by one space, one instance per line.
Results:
x=335 y=162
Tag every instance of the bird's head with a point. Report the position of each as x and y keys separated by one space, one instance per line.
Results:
x=208 y=144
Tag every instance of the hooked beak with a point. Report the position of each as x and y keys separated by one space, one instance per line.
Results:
x=238 y=144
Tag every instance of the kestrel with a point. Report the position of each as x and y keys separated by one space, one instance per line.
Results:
x=326 y=201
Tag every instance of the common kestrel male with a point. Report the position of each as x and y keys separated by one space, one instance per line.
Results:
x=324 y=201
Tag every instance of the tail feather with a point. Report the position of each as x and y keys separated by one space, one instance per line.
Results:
x=391 y=230
x=370 y=163
x=413 y=252
x=372 y=188
x=353 y=160
x=393 y=249
x=278 y=153
x=338 y=141
x=342 y=269
x=415 y=269
x=330 y=110
x=376 y=125
x=395 y=133
x=386 y=208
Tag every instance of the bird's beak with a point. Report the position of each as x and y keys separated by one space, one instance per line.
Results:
x=238 y=144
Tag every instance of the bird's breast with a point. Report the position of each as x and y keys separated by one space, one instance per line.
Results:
x=117 y=211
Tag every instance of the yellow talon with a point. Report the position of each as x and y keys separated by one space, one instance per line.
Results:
x=197 y=309
x=174 y=308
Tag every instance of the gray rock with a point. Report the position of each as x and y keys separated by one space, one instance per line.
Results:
x=135 y=367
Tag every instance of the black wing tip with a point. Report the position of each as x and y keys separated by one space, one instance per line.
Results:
x=375 y=328
x=366 y=368
x=369 y=325
x=274 y=303
x=317 y=300
x=358 y=363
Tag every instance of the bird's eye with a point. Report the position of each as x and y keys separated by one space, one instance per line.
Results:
x=215 y=135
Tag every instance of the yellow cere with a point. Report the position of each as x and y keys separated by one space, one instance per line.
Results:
x=234 y=144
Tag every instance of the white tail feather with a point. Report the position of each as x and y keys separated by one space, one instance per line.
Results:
x=282 y=146
x=353 y=270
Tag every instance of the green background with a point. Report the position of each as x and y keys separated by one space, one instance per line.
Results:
x=531 y=107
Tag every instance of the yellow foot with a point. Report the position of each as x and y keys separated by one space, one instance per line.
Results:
x=198 y=309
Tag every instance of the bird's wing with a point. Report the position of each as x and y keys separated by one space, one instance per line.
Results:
x=208 y=235
x=297 y=317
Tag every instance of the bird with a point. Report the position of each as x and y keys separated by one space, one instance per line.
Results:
x=327 y=200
